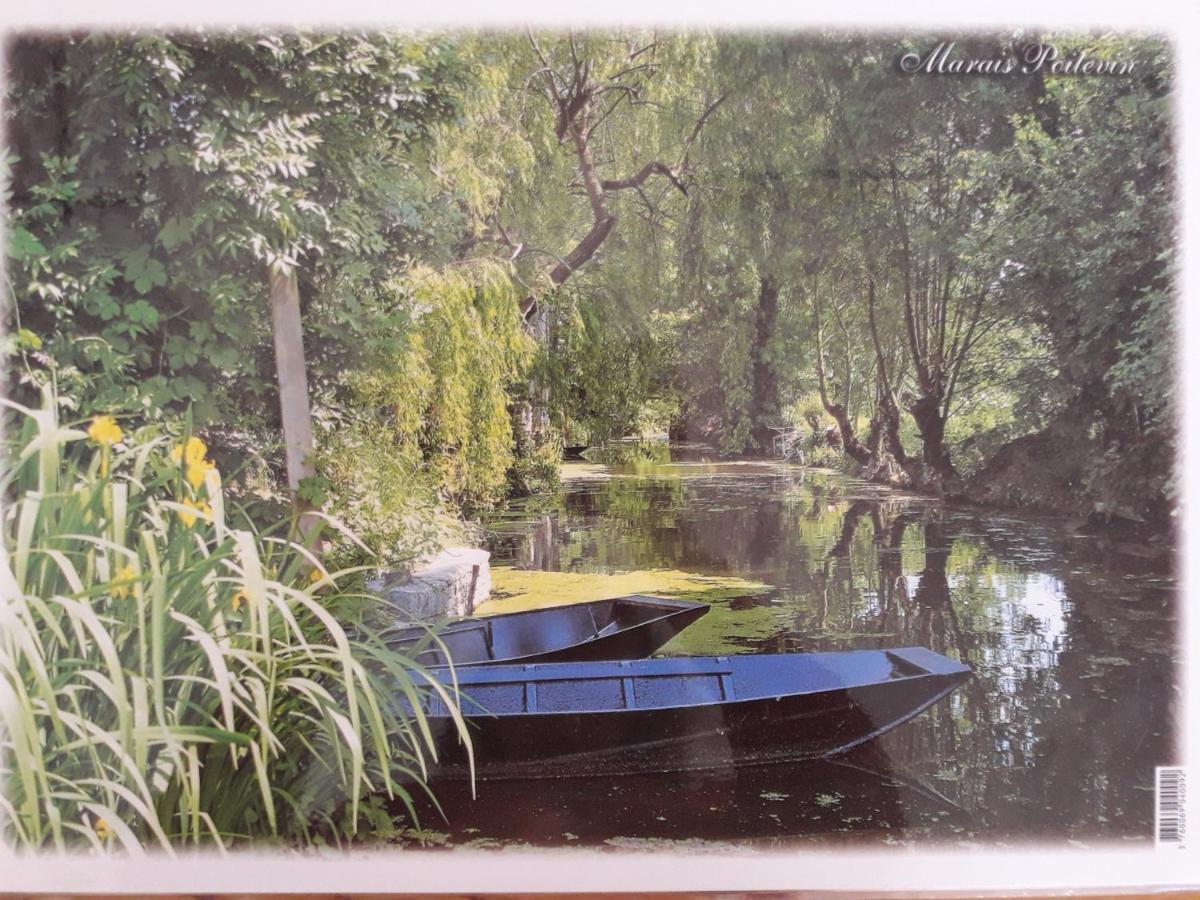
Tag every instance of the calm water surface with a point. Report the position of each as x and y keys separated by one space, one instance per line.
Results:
x=1072 y=641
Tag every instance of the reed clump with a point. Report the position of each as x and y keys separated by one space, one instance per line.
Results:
x=172 y=676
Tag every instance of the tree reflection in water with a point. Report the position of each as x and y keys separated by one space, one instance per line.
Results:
x=1072 y=704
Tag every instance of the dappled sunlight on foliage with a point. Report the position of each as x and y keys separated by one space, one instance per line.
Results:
x=429 y=422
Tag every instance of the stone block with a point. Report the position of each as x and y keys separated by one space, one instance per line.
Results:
x=438 y=586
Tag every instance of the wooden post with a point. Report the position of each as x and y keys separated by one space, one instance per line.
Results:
x=471 y=593
x=292 y=377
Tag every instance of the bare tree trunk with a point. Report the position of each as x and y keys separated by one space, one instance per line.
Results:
x=851 y=445
x=292 y=377
x=931 y=422
x=887 y=413
x=764 y=403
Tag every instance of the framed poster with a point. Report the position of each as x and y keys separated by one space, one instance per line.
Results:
x=481 y=450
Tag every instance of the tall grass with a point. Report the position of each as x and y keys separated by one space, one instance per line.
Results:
x=168 y=679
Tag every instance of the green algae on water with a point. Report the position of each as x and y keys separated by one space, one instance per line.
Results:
x=516 y=590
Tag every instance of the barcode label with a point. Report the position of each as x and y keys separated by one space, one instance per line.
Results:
x=1170 y=807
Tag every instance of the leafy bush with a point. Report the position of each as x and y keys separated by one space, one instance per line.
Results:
x=536 y=470
x=169 y=678
x=162 y=175
x=806 y=412
x=640 y=453
x=385 y=496
x=817 y=452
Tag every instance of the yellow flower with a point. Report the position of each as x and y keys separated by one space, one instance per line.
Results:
x=122 y=585
x=196 y=472
x=104 y=430
x=190 y=452
x=201 y=508
x=102 y=829
x=238 y=599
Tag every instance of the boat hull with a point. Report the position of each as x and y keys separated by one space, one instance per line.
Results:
x=632 y=627
x=790 y=721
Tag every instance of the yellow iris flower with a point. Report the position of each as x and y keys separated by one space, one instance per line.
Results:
x=122 y=584
x=192 y=451
x=105 y=430
x=188 y=517
x=196 y=471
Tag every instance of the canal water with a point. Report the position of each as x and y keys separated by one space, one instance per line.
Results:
x=1072 y=639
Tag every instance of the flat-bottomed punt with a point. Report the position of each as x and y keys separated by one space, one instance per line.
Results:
x=673 y=714
x=630 y=627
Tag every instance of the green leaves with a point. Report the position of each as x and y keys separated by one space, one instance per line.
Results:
x=191 y=163
x=27 y=340
x=141 y=315
x=428 y=421
x=174 y=233
x=314 y=491
x=1085 y=205
x=23 y=246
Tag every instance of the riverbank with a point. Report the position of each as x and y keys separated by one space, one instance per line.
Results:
x=1040 y=473
x=1031 y=476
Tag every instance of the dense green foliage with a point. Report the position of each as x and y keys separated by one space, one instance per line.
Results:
x=170 y=677
x=157 y=179
x=949 y=263
x=429 y=421
x=1085 y=211
x=701 y=231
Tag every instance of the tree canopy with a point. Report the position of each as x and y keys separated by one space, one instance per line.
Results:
x=505 y=241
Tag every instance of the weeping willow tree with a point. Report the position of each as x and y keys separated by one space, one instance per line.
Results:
x=574 y=153
x=426 y=428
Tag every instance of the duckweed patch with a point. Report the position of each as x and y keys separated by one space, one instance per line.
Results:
x=514 y=590
x=725 y=631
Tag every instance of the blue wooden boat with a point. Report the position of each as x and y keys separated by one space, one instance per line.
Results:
x=631 y=627
x=660 y=715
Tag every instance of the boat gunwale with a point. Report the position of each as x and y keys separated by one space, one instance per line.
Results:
x=956 y=677
x=469 y=623
x=505 y=772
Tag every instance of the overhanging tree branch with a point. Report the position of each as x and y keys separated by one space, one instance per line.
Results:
x=573 y=101
x=639 y=179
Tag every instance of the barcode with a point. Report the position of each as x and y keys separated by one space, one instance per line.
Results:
x=1170 y=807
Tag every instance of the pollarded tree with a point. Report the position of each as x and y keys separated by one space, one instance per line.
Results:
x=911 y=148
